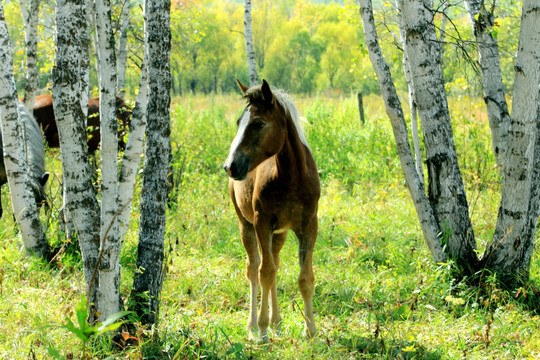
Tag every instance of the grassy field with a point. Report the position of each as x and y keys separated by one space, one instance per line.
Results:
x=378 y=294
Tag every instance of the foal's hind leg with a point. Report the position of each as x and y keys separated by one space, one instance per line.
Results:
x=275 y=319
x=252 y=267
x=306 y=279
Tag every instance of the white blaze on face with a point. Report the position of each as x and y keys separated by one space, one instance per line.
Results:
x=239 y=136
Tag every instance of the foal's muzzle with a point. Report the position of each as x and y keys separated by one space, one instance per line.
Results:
x=237 y=167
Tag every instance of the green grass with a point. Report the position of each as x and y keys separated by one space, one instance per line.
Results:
x=378 y=294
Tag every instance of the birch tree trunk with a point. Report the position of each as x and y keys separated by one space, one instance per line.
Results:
x=109 y=267
x=68 y=76
x=148 y=277
x=511 y=249
x=122 y=49
x=488 y=57
x=24 y=206
x=445 y=190
x=30 y=15
x=248 y=33
x=412 y=110
x=428 y=221
x=132 y=155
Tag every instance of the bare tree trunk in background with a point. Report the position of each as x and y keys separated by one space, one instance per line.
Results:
x=429 y=224
x=92 y=22
x=109 y=267
x=24 y=207
x=30 y=15
x=252 y=65
x=68 y=76
x=482 y=23
x=511 y=249
x=122 y=50
x=445 y=190
x=149 y=275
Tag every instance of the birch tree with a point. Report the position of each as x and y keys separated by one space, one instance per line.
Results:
x=511 y=248
x=24 y=206
x=149 y=275
x=482 y=22
x=250 y=52
x=69 y=82
x=30 y=15
x=109 y=268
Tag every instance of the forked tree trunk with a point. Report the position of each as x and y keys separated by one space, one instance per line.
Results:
x=488 y=57
x=24 y=206
x=248 y=33
x=509 y=253
x=30 y=14
x=68 y=76
x=511 y=249
x=428 y=222
x=148 y=277
x=445 y=185
x=109 y=267
x=122 y=49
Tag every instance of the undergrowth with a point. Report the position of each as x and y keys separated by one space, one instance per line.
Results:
x=378 y=294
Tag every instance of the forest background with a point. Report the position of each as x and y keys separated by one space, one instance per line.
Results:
x=306 y=47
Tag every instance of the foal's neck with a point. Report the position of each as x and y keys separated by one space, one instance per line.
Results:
x=291 y=160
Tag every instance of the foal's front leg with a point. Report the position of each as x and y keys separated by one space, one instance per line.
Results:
x=267 y=275
x=252 y=267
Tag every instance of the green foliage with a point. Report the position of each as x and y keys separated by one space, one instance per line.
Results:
x=305 y=46
x=86 y=332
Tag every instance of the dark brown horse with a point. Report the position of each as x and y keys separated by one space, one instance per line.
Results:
x=274 y=187
x=44 y=114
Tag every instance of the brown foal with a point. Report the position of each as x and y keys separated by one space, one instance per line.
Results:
x=274 y=186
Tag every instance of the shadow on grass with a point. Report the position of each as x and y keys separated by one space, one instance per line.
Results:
x=379 y=348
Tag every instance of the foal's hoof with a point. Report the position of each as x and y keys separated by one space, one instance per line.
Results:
x=264 y=339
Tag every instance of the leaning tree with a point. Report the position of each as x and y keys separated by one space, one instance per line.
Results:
x=443 y=210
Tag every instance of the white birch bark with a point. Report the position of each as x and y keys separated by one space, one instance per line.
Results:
x=122 y=49
x=513 y=242
x=132 y=155
x=68 y=78
x=109 y=268
x=488 y=57
x=24 y=206
x=412 y=110
x=148 y=277
x=428 y=221
x=446 y=191
x=30 y=14
x=250 y=52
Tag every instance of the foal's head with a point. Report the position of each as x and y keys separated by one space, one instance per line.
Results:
x=261 y=131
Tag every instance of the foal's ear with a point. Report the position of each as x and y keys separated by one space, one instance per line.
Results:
x=243 y=88
x=267 y=95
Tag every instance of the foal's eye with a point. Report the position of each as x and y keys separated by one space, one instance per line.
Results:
x=258 y=124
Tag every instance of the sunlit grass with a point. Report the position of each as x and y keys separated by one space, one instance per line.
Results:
x=378 y=294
